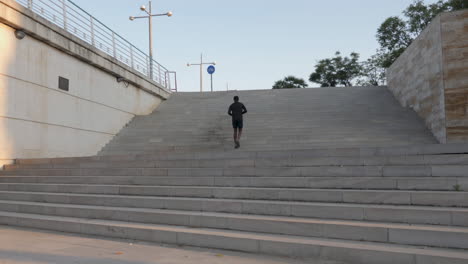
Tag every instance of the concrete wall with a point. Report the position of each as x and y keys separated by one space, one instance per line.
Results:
x=431 y=77
x=454 y=31
x=39 y=120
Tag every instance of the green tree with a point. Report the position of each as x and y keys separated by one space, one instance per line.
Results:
x=290 y=82
x=336 y=71
x=455 y=5
x=395 y=34
x=372 y=74
x=420 y=15
x=394 y=38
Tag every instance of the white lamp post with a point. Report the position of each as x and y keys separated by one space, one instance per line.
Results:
x=150 y=21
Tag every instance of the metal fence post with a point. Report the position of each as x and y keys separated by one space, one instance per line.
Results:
x=92 y=30
x=166 y=84
x=64 y=10
x=159 y=73
x=131 y=57
x=148 y=66
x=30 y=4
x=113 y=44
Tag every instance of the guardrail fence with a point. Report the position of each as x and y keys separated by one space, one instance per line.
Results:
x=72 y=18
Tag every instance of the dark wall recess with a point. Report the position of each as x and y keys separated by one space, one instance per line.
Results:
x=63 y=83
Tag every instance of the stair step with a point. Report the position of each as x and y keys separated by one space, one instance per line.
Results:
x=429 y=198
x=309 y=171
x=419 y=235
x=434 y=149
x=376 y=183
x=256 y=162
x=448 y=216
x=332 y=249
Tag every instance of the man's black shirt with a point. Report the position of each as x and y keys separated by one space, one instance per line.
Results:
x=236 y=110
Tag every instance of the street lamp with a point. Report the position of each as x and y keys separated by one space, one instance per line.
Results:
x=149 y=16
x=201 y=69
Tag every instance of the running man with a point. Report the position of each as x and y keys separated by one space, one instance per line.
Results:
x=236 y=110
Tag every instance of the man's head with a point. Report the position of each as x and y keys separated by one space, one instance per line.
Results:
x=236 y=98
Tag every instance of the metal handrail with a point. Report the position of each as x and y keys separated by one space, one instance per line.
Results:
x=72 y=18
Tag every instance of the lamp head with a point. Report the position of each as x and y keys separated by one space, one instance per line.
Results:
x=214 y=63
x=132 y=18
x=143 y=8
x=20 y=34
x=169 y=14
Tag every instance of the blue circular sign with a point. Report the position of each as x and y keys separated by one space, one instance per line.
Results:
x=211 y=69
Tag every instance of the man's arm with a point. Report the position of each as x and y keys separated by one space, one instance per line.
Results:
x=244 y=110
x=230 y=110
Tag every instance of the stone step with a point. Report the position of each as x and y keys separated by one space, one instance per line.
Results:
x=314 y=171
x=406 y=149
x=251 y=132
x=418 y=235
x=392 y=197
x=375 y=183
x=434 y=149
x=163 y=127
x=447 y=216
x=255 y=162
x=228 y=145
x=352 y=252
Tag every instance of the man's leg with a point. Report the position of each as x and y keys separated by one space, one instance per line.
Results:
x=238 y=138
x=236 y=142
x=235 y=134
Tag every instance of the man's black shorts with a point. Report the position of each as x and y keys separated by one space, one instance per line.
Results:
x=237 y=124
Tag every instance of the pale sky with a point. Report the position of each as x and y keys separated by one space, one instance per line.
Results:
x=254 y=42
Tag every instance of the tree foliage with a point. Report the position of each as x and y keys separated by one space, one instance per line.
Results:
x=394 y=38
x=290 y=82
x=337 y=71
x=396 y=34
x=372 y=73
x=420 y=15
x=455 y=5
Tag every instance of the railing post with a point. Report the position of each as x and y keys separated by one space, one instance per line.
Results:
x=131 y=57
x=167 y=85
x=148 y=67
x=30 y=4
x=91 y=20
x=64 y=10
x=175 y=81
x=159 y=73
x=113 y=44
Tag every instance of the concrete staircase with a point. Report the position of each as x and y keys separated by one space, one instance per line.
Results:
x=353 y=201
x=277 y=119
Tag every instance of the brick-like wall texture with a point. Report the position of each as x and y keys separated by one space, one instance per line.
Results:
x=431 y=77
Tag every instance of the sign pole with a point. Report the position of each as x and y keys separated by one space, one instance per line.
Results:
x=211 y=69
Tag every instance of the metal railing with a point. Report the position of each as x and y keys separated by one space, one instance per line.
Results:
x=72 y=18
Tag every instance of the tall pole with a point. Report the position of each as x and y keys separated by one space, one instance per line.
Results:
x=150 y=40
x=148 y=10
x=211 y=82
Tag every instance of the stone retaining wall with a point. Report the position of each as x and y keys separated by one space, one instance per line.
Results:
x=431 y=76
x=39 y=120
